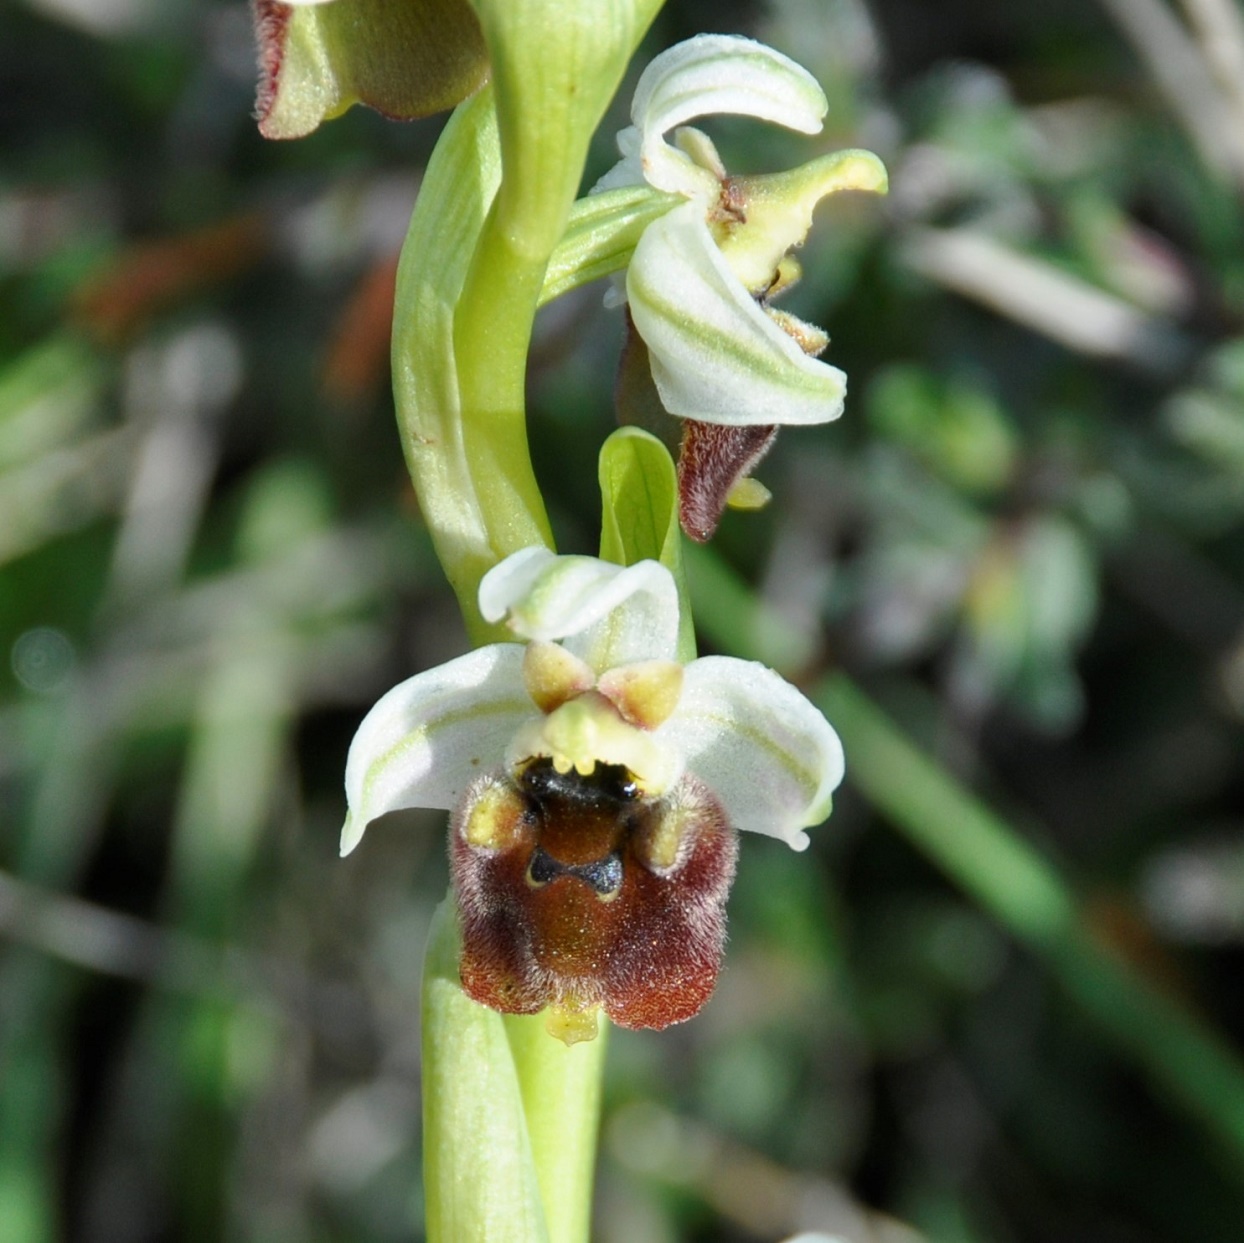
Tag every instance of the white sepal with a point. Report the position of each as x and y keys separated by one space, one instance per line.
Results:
x=608 y=614
x=716 y=74
x=430 y=736
x=716 y=356
x=758 y=744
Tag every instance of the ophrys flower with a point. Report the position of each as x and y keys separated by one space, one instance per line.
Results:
x=595 y=785
x=703 y=276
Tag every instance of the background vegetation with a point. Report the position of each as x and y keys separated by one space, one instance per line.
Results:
x=1024 y=539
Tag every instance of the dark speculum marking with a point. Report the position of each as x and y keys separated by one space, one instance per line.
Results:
x=543 y=867
x=606 y=785
x=570 y=911
x=602 y=875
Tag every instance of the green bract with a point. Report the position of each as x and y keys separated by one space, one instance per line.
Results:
x=405 y=58
x=494 y=203
x=639 y=492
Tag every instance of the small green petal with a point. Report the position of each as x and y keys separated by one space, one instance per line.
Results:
x=639 y=520
x=779 y=206
x=601 y=236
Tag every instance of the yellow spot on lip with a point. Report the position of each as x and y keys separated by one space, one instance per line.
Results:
x=570 y=1026
x=491 y=820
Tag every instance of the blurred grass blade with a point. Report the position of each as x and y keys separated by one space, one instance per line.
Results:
x=1000 y=870
x=736 y=621
x=1046 y=299
x=1177 y=66
x=48 y=395
x=1019 y=887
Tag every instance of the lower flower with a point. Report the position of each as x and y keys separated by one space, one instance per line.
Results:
x=596 y=786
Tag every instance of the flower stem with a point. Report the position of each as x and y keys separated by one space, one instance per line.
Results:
x=561 y=1087
x=510 y=1113
x=478 y=1176
x=467 y=456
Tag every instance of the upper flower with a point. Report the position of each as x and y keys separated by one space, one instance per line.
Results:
x=595 y=783
x=701 y=276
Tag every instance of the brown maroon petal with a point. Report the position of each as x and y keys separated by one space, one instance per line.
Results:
x=665 y=960
x=271 y=27
x=490 y=886
x=713 y=459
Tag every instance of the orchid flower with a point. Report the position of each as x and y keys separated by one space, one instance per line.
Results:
x=595 y=785
x=702 y=275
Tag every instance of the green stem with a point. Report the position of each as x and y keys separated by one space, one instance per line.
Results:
x=510 y=1121
x=492 y=332
x=478 y=1176
x=471 y=469
x=561 y=1088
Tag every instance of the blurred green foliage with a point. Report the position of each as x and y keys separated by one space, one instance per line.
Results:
x=1024 y=538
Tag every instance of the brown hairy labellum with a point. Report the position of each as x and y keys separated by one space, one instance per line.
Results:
x=714 y=457
x=577 y=892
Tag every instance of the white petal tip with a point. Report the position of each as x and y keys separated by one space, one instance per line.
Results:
x=508 y=583
x=799 y=841
x=351 y=834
